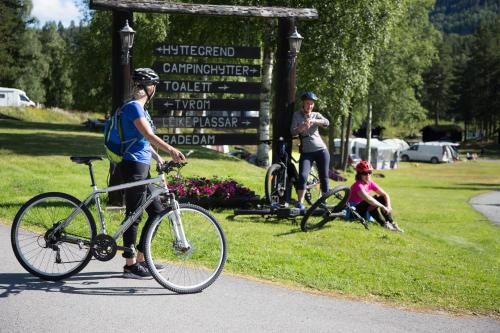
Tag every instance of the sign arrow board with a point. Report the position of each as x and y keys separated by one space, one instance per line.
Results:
x=190 y=68
x=176 y=86
x=212 y=51
x=166 y=104
x=205 y=122
x=211 y=139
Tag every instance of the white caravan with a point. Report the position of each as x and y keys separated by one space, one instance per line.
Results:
x=14 y=97
x=429 y=152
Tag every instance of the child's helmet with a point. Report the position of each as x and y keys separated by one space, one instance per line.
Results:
x=364 y=166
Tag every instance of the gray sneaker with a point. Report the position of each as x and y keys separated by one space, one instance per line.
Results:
x=395 y=225
x=136 y=271
x=159 y=267
x=389 y=226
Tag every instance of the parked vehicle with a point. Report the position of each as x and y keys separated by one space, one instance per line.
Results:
x=428 y=152
x=14 y=97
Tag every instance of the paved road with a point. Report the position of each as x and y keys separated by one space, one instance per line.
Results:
x=99 y=300
x=489 y=205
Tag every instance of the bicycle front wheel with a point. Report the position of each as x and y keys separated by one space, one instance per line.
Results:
x=192 y=269
x=275 y=184
x=325 y=208
x=313 y=188
x=44 y=252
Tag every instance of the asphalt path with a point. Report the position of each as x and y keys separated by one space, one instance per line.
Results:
x=489 y=205
x=99 y=300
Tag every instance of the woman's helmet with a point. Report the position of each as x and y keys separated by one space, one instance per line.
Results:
x=145 y=77
x=363 y=166
x=309 y=95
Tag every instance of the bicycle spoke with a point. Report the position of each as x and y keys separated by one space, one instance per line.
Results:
x=38 y=248
x=193 y=269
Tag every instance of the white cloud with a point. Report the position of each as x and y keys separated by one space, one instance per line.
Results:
x=56 y=10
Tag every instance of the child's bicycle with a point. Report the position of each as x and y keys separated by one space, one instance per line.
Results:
x=329 y=207
x=54 y=235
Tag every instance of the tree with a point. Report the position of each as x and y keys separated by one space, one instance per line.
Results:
x=480 y=79
x=57 y=83
x=12 y=28
x=397 y=73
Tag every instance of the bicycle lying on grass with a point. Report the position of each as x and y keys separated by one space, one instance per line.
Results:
x=333 y=205
x=329 y=207
x=54 y=235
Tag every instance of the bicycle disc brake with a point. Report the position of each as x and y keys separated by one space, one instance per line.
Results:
x=103 y=247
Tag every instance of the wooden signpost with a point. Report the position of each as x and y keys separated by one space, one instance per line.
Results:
x=210 y=139
x=165 y=104
x=216 y=122
x=208 y=51
x=226 y=87
x=185 y=112
x=190 y=68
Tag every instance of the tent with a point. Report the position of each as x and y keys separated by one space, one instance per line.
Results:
x=383 y=155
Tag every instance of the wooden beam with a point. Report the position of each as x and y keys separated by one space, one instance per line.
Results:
x=159 y=6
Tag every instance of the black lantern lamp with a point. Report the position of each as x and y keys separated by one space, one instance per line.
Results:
x=295 y=41
x=127 y=38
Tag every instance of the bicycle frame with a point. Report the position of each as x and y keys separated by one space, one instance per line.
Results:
x=156 y=191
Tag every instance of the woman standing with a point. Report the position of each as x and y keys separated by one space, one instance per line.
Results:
x=138 y=136
x=378 y=206
x=305 y=124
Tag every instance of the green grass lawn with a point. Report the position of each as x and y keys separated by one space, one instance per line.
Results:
x=448 y=258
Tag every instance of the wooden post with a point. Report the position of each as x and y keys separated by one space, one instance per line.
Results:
x=285 y=92
x=120 y=74
x=120 y=83
x=284 y=102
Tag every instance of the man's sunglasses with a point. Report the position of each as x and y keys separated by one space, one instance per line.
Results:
x=364 y=173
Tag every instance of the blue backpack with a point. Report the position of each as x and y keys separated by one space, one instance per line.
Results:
x=113 y=138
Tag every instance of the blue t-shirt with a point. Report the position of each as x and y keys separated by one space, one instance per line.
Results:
x=136 y=147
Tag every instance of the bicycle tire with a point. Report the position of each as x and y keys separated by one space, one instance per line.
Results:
x=321 y=211
x=274 y=184
x=68 y=253
x=313 y=188
x=192 y=270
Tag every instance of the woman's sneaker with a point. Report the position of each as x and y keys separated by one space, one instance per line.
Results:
x=136 y=271
x=159 y=267
x=389 y=226
x=395 y=225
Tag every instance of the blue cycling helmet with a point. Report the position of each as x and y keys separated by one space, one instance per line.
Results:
x=309 y=95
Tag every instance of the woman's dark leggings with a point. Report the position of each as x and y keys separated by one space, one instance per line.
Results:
x=322 y=159
x=378 y=214
x=134 y=197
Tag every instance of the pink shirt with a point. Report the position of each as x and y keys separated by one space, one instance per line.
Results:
x=357 y=186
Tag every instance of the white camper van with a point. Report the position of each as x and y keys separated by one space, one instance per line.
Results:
x=14 y=97
x=428 y=152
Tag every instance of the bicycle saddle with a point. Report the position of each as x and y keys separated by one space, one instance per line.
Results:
x=85 y=159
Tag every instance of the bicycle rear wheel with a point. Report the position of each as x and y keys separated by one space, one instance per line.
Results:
x=275 y=184
x=187 y=270
x=325 y=208
x=47 y=254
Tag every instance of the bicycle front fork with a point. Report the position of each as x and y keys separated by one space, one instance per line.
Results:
x=181 y=243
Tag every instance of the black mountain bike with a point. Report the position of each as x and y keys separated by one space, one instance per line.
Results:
x=281 y=176
x=333 y=205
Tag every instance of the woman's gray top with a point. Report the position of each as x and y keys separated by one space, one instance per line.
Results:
x=310 y=140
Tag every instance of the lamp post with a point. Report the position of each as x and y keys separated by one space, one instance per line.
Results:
x=294 y=41
x=127 y=41
x=122 y=42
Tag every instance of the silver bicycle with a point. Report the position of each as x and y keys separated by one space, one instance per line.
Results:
x=54 y=235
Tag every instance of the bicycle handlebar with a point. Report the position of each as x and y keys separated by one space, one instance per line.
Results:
x=168 y=166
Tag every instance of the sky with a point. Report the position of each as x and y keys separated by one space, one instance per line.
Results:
x=56 y=10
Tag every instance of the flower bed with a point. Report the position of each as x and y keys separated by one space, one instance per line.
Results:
x=213 y=192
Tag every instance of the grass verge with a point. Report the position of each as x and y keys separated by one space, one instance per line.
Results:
x=448 y=259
